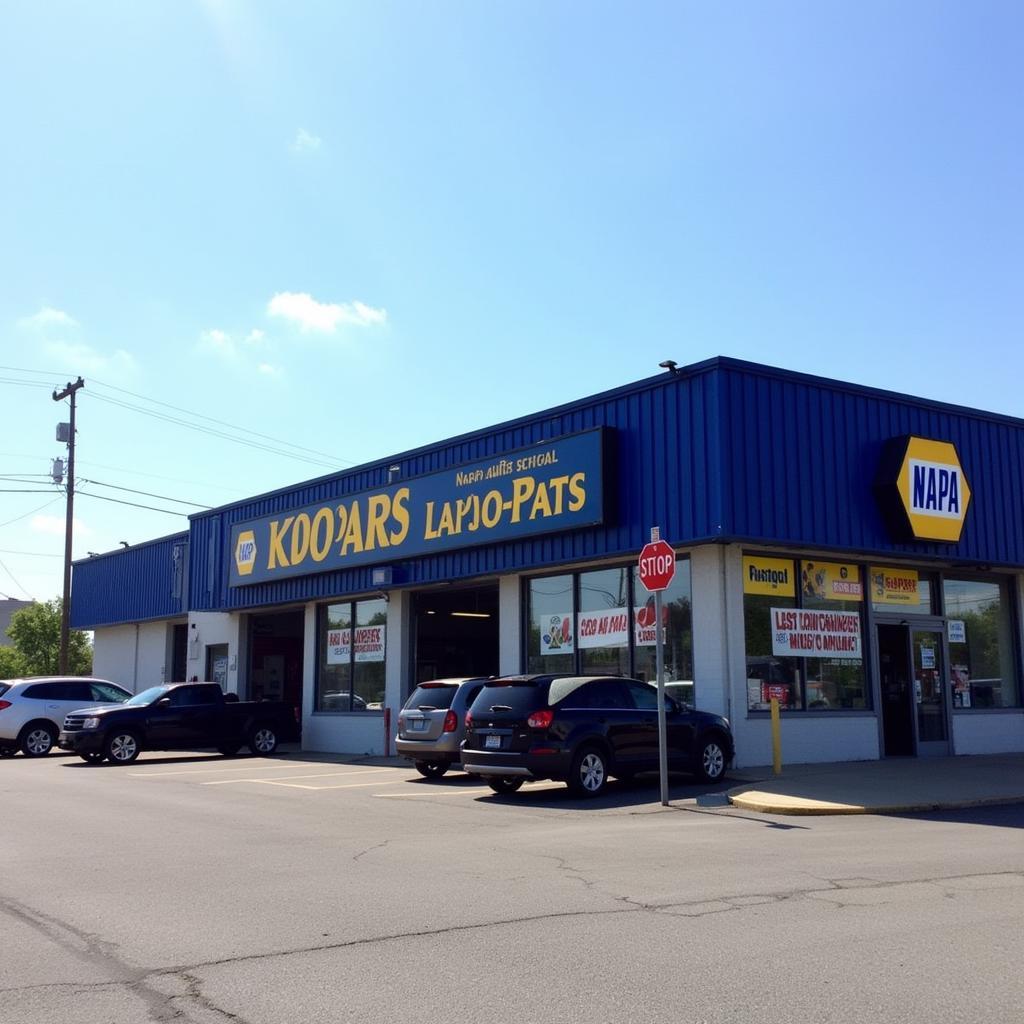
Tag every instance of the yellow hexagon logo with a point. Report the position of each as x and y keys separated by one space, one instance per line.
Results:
x=933 y=489
x=245 y=552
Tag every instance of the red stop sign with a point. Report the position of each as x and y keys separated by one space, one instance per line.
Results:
x=657 y=565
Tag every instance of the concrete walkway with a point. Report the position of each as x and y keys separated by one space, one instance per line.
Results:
x=882 y=787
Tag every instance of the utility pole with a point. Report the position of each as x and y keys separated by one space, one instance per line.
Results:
x=68 y=392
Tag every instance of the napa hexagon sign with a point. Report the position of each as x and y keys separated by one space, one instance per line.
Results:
x=923 y=489
x=245 y=552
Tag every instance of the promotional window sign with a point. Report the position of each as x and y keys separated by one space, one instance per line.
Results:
x=369 y=644
x=554 y=486
x=893 y=586
x=608 y=628
x=773 y=576
x=556 y=634
x=802 y=633
x=644 y=633
x=830 y=581
x=956 y=631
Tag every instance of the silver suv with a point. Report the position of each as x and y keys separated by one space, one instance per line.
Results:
x=432 y=724
x=32 y=710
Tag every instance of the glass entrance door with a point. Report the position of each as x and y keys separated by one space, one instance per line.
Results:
x=929 y=691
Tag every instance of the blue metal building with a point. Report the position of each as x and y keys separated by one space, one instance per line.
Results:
x=855 y=554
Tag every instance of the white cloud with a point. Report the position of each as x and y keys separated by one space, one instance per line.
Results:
x=218 y=341
x=268 y=370
x=86 y=360
x=255 y=336
x=56 y=525
x=48 y=317
x=325 y=317
x=306 y=142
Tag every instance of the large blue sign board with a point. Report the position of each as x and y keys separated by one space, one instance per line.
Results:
x=553 y=486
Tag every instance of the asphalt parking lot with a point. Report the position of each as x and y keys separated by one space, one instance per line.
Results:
x=198 y=888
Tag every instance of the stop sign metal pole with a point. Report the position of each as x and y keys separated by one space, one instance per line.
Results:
x=662 y=726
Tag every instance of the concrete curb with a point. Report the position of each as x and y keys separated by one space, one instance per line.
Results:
x=767 y=803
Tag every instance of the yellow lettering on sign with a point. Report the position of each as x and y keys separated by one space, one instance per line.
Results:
x=578 y=491
x=300 y=538
x=522 y=488
x=354 y=532
x=490 y=511
x=400 y=514
x=276 y=556
x=379 y=508
x=321 y=533
x=541 y=504
x=557 y=484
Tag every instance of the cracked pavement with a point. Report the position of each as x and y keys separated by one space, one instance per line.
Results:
x=161 y=899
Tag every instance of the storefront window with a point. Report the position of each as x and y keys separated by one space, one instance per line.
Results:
x=601 y=622
x=981 y=652
x=551 y=644
x=677 y=617
x=352 y=644
x=803 y=625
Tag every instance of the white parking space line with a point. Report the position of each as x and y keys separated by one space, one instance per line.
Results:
x=344 y=785
x=276 y=765
x=318 y=775
x=475 y=791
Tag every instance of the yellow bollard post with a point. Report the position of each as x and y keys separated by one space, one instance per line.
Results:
x=776 y=738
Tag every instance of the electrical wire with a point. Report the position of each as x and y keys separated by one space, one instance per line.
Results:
x=133 y=504
x=17 y=584
x=147 y=494
x=33 y=554
x=32 y=512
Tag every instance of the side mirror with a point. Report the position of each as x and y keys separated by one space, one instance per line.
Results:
x=164 y=702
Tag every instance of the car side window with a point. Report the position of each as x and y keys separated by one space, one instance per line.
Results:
x=40 y=691
x=185 y=697
x=81 y=692
x=604 y=694
x=644 y=697
x=103 y=692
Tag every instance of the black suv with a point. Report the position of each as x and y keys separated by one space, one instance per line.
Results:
x=581 y=729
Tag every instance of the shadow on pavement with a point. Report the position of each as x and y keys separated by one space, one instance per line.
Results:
x=997 y=815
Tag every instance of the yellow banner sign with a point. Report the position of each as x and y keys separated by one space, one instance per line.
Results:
x=772 y=576
x=894 y=586
x=830 y=581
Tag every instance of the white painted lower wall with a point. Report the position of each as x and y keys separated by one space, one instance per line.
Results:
x=207 y=629
x=987 y=733
x=135 y=656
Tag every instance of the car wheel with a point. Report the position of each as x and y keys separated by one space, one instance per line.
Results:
x=711 y=759
x=263 y=740
x=229 y=749
x=7 y=751
x=504 y=785
x=37 y=739
x=589 y=773
x=92 y=758
x=122 y=746
x=432 y=769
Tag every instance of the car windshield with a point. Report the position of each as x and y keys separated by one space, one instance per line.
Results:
x=154 y=693
x=432 y=696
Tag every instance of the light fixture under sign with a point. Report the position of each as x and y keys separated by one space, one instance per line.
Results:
x=471 y=615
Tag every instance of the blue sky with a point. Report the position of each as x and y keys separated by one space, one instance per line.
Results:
x=362 y=227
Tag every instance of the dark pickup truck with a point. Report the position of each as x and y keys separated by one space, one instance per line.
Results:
x=178 y=716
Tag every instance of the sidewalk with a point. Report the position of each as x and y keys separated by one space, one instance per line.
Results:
x=882 y=787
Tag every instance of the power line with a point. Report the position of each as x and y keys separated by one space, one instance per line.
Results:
x=17 y=584
x=118 y=501
x=148 y=494
x=39 y=490
x=33 y=554
x=32 y=512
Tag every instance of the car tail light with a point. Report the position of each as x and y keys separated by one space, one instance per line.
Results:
x=540 y=719
x=451 y=722
x=469 y=719
x=4 y=704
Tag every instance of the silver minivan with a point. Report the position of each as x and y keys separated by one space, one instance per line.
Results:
x=432 y=723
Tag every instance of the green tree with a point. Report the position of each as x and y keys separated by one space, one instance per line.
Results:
x=36 y=635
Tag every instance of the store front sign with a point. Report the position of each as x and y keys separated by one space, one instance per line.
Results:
x=608 y=628
x=894 y=586
x=830 y=581
x=555 y=486
x=368 y=642
x=556 y=635
x=802 y=633
x=923 y=489
x=768 y=576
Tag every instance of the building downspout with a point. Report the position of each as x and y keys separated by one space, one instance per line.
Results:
x=135 y=662
x=726 y=659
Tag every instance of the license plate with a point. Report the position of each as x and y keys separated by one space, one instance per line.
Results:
x=418 y=724
x=492 y=741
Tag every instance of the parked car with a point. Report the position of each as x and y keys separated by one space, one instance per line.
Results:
x=432 y=724
x=179 y=716
x=32 y=710
x=581 y=729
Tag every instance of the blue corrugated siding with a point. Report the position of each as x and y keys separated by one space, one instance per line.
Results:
x=725 y=450
x=802 y=455
x=664 y=470
x=148 y=581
